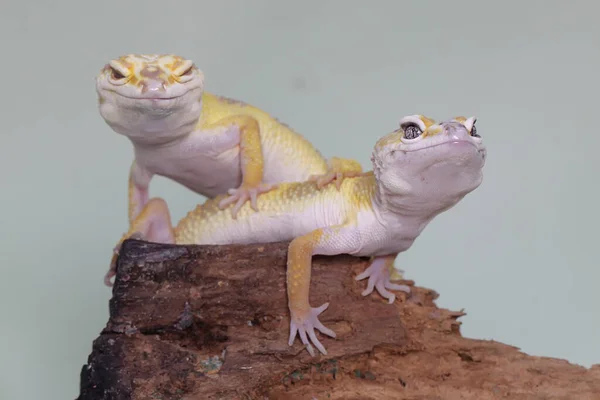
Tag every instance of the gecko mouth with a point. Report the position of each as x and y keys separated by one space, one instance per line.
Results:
x=448 y=142
x=150 y=98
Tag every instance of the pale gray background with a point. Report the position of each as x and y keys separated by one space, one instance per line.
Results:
x=519 y=254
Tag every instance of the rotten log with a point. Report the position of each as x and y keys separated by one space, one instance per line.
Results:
x=211 y=322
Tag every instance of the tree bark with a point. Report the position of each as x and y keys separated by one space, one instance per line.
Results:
x=211 y=322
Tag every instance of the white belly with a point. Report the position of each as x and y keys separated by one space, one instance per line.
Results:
x=262 y=229
x=203 y=174
x=207 y=163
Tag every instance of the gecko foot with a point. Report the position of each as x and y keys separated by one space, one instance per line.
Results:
x=242 y=194
x=306 y=325
x=379 y=278
x=332 y=175
x=112 y=270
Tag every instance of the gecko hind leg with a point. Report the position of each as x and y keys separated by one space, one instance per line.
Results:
x=153 y=224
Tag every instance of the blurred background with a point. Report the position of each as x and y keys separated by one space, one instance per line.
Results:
x=518 y=254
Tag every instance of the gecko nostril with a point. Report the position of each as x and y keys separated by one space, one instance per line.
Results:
x=452 y=129
x=152 y=85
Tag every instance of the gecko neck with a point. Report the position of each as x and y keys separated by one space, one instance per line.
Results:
x=411 y=206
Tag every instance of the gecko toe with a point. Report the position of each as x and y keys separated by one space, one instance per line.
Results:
x=379 y=278
x=137 y=236
x=253 y=201
x=293 y=332
x=227 y=201
x=321 y=308
x=310 y=350
x=339 y=179
x=108 y=277
x=305 y=327
x=236 y=209
x=395 y=286
x=324 y=330
x=318 y=345
x=243 y=194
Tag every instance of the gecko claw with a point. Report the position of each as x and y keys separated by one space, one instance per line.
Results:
x=306 y=326
x=112 y=270
x=325 y=179
x=331 y=176
x=379 y=278
x=242 y=194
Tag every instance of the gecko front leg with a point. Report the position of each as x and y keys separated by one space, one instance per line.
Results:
x=380 y=275
x=152 y=224
x=251 y=164
x=139 y=181
x=332 y=240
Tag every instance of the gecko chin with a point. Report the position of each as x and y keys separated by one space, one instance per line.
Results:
x=151 y=120
x=155 y=108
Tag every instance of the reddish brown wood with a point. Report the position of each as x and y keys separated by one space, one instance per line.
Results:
x=211 y=322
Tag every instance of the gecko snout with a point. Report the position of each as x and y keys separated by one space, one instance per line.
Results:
x=153 y=80
x=455 y=130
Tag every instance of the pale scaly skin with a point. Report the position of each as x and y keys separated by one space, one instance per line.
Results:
x=378 y=214
x=210 y=144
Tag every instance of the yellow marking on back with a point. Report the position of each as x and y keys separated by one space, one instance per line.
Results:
x=293 y=149
x=360 y=190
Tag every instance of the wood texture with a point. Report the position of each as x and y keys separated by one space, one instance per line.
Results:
x=211 y=322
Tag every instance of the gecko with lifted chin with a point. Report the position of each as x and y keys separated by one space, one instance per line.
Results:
x=210 y=144
x=419 y=171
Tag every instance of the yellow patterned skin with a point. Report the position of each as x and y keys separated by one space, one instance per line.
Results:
x=420 y=170
x=211 y=144
x=295 y=200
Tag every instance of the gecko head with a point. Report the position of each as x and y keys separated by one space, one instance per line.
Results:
x=150 y=98
x=438 y=161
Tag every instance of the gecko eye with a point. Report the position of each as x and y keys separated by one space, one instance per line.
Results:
x=474 y=131
x=116 y=75
x=411 y=131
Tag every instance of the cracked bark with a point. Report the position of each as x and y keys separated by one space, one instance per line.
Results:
x=211 y=322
